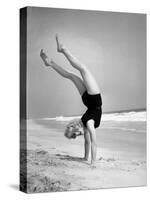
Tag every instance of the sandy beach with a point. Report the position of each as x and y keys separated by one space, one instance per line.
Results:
x=55 y=163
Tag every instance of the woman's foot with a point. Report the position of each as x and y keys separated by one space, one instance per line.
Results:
x=60 y=46
x=45 y=58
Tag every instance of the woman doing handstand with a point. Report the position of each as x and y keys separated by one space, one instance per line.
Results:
x=90 y=94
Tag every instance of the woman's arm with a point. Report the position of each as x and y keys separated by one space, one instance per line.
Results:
x=87 y=144
x=91 y=129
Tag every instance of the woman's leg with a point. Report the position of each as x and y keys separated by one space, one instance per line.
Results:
x=87 y=144
x=89 y=80
x=75 y=79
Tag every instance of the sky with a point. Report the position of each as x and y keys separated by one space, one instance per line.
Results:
x=112 y=45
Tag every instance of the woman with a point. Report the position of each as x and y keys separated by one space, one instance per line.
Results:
x=90 y=95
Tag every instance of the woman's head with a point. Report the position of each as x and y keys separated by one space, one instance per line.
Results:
x=74 y=129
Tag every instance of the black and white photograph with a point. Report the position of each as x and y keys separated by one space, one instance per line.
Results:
x=82 y=100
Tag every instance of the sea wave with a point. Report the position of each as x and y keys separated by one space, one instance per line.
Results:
x=125 y=116
x=122 y=116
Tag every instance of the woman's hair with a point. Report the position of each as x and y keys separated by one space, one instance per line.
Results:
x=74 y=129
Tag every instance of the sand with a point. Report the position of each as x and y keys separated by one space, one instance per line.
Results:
x=55 y=163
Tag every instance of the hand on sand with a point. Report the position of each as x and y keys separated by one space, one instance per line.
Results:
x=60 y=46
x=85 y=159
x=45 y=58
x=93 y=165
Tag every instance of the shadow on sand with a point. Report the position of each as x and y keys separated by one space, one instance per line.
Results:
x=14 y=186
x=72 y=158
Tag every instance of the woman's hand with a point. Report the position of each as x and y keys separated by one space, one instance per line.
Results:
x=93 y=165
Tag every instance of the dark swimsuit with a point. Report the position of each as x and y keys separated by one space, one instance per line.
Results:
x=94 y=111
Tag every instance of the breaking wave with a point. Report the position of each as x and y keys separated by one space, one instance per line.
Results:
x=122 y=116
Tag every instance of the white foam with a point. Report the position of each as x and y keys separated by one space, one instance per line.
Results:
x=62 y=118
x=124 y=116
